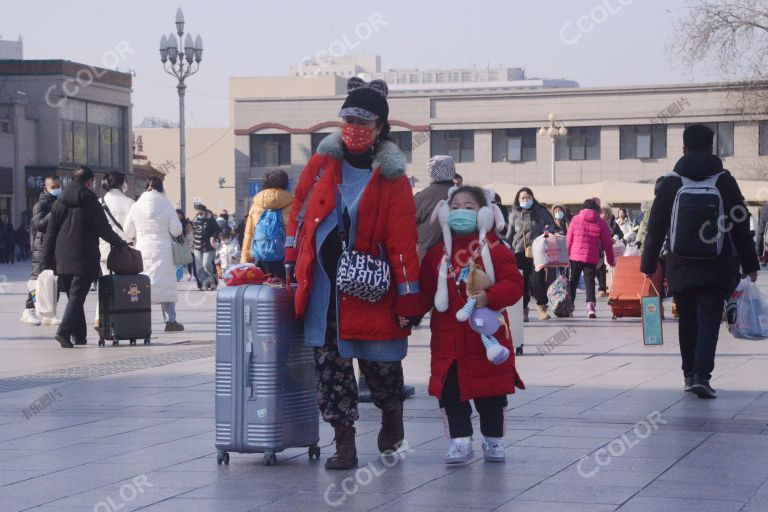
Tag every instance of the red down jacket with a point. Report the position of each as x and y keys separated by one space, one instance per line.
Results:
x=456 y=341
x=387 y=218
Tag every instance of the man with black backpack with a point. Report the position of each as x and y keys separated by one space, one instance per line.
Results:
x=702 y=209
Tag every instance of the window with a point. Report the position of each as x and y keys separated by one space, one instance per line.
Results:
x=763 y=138
x=404 y=141
x=644 y=141
x=581 y=143
x=317 y=138
x=723 y=143
x=515 y=145
x=92 y=134
x=270 y=150
x=6 y=181
x=458 y=144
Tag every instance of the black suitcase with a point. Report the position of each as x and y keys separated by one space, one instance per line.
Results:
x=125 y=309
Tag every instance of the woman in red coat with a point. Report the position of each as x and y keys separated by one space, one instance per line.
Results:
x=460 y=368
x=354 y=194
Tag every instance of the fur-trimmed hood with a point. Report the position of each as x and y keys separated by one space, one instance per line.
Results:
x=389 y=156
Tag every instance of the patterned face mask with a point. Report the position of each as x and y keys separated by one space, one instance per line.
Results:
x=356 y=138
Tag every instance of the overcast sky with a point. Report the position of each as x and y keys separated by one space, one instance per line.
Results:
x=623 y=41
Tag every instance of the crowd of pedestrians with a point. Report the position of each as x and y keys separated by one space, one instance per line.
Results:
x=450 y=251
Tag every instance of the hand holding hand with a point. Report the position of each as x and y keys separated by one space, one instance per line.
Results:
x=404 y=322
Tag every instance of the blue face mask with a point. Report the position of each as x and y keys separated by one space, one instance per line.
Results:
x=55 y=192
x=526 y=205
x=559 y=215
x=463 y=222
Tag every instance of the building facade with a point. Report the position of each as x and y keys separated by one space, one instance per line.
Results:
x=631 y=134
x=209 y=158
x=56 y=116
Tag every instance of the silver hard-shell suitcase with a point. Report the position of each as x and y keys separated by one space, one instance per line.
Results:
x=266 y=393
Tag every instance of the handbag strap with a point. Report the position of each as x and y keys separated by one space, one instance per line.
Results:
x=340 y=219
x=109 y=214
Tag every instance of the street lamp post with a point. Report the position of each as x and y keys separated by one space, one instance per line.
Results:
x=192 y=52
x=553 y=130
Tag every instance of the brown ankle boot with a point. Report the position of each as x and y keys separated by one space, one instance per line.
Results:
x=346 y=452
x=392 y=433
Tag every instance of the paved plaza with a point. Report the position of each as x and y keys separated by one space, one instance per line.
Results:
x=604 y=425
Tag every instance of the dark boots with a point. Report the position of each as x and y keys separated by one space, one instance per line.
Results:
x=346 y=452
x=391 y=434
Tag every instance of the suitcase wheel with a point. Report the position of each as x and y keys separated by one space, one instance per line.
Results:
x=147 y=341
x=314 y=452
x=270 y=459
x=519 y=351
x=115 y=342
x=133 y=341
x=222 y=457
x=614 y=317
x=101 y=342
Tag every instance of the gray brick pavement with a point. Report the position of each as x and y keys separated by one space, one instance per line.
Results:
x=142 y=438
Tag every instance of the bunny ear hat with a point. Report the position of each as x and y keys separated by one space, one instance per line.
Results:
x=488 y=217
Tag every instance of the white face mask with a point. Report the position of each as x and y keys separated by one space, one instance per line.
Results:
x=124 y=188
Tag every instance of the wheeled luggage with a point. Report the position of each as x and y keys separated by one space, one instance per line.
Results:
x=125 y=309
x=629 y=286
x=266 y=398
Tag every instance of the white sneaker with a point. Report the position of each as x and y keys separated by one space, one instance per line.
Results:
x=29 y=316
x=460 y=451
x=493 y=449
x=50 y=320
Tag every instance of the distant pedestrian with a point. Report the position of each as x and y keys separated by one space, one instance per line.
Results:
x=501 y=230
x=441 y=171
x=458 y=180
x=227 y=250
x=561 y=219
x=588 y=235
x=205 y=231
x=526 y=222
x=624 y=221
x=71 y=249
x=700 y=284
x=38 y=225
x=153 y=223
x=265 y=231
x=9 y=242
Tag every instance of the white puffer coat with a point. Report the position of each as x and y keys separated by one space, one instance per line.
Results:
x=119 y=205
x=152 y=222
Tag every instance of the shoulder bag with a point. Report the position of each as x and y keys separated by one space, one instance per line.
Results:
x=361 y=275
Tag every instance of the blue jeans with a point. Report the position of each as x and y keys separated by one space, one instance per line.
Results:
x=206 y=272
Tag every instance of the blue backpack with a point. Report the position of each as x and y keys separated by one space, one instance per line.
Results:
x=269 y=237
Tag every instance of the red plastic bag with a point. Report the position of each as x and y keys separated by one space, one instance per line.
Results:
x=244 y=273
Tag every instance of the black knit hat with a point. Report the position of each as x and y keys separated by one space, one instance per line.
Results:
x=366 y=101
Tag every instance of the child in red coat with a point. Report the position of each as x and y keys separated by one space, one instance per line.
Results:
x=460 y=368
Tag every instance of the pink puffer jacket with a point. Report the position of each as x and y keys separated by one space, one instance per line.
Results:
x=586 y=235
